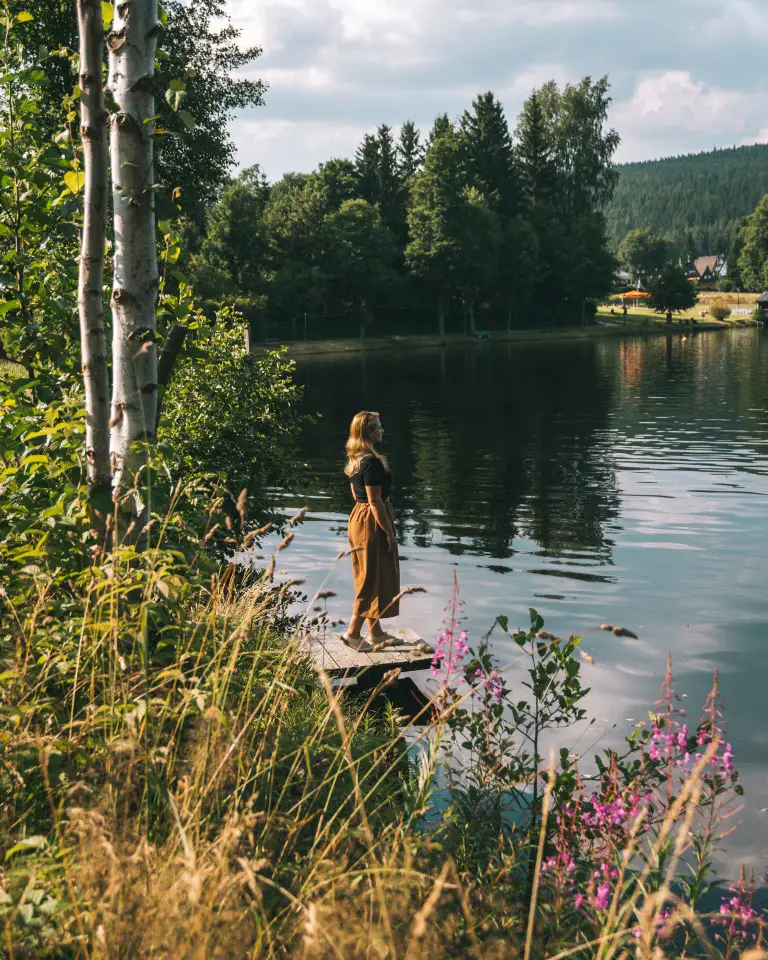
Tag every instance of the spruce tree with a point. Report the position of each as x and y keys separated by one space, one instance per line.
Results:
x=367 y=168
x=535 y=155
x=410 y=153
x=440 y=128
x=389 y=192
x=489 y=157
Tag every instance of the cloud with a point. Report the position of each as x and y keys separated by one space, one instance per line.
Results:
x=280 y=146
x=353 y=64
x=739 y=19
x=672 y=108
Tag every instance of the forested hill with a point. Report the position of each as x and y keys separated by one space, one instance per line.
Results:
x=704 y=193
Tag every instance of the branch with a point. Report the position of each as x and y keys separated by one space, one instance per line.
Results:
x=167 y=363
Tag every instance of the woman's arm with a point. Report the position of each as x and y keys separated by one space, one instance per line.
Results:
x=382 y=514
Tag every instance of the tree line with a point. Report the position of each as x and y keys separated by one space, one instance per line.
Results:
x=474 y=223
x=697 y=202
x=646 y=254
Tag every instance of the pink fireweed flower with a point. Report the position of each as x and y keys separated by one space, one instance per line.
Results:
x=602 y=897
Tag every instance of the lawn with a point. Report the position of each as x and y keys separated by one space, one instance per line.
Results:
x=743 y=302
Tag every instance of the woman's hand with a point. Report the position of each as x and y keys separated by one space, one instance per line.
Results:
x=391 y=542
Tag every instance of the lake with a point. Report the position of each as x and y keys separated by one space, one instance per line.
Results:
x=613 y=480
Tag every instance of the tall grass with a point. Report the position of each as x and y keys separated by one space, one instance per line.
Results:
x=177 y=781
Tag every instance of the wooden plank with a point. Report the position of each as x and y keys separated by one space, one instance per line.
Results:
x=407 y=652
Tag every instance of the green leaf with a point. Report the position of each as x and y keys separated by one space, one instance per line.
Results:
x=75 y=181
x=24 y=17
x=29 y=843
x=503 y=622
x=108 y=12
x=7 y=305
x=189 y=120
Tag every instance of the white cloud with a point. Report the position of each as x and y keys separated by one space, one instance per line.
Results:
x=673 y=101
x=280 y=146
x=739 y=19
x=348 y=65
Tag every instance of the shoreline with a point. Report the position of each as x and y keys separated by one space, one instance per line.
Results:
x=536 y=335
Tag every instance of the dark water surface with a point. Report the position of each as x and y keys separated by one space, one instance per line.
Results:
x=615 y=480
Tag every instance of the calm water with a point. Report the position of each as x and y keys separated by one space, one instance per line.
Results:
x=619 y=481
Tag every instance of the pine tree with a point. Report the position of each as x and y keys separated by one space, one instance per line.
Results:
x=440 y=128
x=535 y=155
x=489 y=156
x=410 y=153
x=389 y=193
x=367 y=168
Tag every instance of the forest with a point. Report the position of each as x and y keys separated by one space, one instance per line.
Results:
x=471 y=225
x=697 y=202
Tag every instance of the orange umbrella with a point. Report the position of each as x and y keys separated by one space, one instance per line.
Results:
x=633 y=295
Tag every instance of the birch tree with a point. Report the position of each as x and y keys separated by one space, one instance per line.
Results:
x=132 y=44
x=91 y=274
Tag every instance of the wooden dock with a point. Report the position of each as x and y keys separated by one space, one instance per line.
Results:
x=408 y=652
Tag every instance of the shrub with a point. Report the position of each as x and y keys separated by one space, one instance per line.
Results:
x=719 y=312
x=233 y=414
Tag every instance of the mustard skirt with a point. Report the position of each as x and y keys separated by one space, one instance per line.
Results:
x=375 y=569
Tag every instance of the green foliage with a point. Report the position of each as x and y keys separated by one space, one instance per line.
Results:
x=379 y=180
x=643 y=254
x=753 y=258
x=582 y=148
x=42 y=481
x=232 y=414
x=475 y=216
x=452 y=232
x=200 y=56
x=410 y=153
x=672 y=291
x=360 y=256
x=39 y=182
x=519 y=265
x=697 y=201
x=719 y=312
x=488 y=154
x=234 y=253
x=535 y=155
x=294 y=219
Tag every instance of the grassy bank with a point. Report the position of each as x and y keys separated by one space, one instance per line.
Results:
x=639 y=323
x=178 y=782
x=176 y=779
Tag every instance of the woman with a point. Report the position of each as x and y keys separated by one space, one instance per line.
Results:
x=375 y=563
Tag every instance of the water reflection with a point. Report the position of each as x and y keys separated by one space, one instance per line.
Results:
x=615 y=480
x=488 y=444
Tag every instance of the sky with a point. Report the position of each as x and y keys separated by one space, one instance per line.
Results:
x=686 y=75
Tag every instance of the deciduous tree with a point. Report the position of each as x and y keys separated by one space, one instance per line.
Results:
x=672 y=291
x=360 y=257
x=644 y=254
x=132 y=44
x=753 y=260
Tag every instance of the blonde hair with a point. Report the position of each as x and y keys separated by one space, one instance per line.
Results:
x=359 y=445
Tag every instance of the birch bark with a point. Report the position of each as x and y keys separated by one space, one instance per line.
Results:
x=132 y=45
x=90 y=302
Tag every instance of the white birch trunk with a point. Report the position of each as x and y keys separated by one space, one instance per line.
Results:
x=90 y=302
x=132 y=44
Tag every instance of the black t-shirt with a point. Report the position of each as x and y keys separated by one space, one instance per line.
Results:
x=372 y=473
